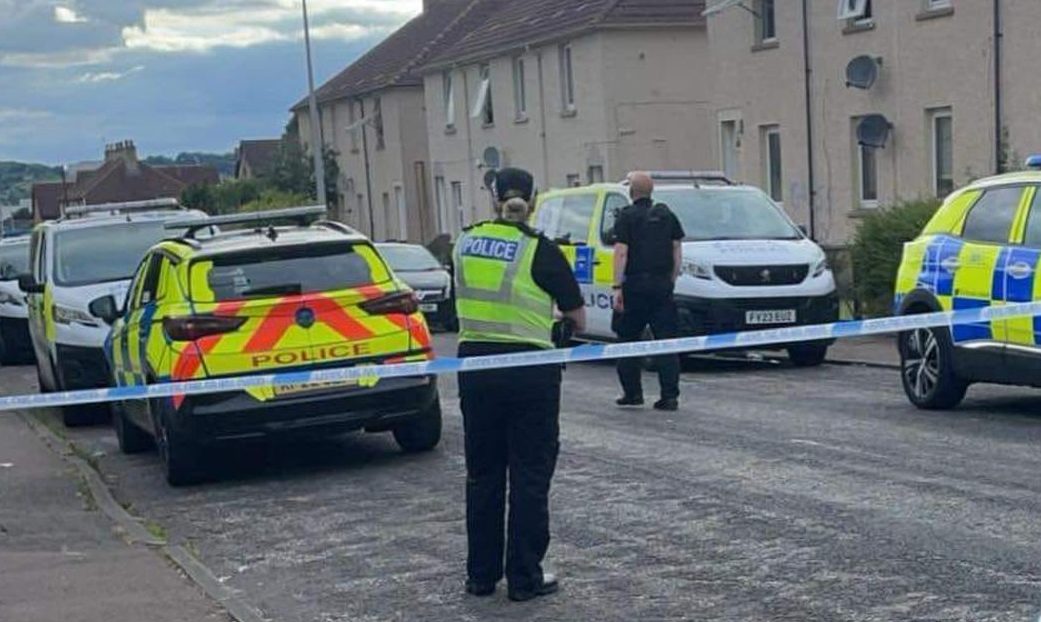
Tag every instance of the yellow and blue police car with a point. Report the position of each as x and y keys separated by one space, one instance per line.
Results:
x=266 y=298
x=981 y=249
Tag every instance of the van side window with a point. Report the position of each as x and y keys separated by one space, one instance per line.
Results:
x=613 y=205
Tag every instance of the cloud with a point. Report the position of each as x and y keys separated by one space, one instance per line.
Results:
x=65 y=15
x=18 y=115
x=107 y=76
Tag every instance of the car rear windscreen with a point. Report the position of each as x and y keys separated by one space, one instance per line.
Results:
x=287 y=271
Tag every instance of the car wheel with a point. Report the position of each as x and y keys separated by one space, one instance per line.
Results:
x=132 y=439
x=422 y=433
x=927 y=369
x=808 y=354
x=180 y=456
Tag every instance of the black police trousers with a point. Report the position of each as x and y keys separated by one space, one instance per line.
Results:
x=512 y=423
x=648 y=303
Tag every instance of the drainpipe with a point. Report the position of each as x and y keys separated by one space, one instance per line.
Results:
x=368 y=171
x=469 y=146
x=812 y=194
x=999 y=141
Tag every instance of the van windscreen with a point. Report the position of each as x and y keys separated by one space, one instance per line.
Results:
x=727 y=214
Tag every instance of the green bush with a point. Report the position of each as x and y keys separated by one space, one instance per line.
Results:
x=877 y=248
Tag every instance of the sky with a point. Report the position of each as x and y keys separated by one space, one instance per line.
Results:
x=171 y=75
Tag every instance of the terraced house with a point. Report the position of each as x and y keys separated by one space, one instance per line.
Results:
x=574 y=91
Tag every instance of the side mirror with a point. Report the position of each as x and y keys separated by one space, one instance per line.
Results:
x=28 y=284
x=105 y=309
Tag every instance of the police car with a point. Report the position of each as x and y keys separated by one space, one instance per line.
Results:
x=981 y=249
x=267 y=298
x=14 y=314
x=88 y=254
x=746 y=265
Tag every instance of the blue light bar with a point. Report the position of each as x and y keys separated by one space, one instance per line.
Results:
x=1034 y=162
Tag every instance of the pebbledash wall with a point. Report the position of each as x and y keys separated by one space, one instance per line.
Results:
x=936 y=86
x=641 y=99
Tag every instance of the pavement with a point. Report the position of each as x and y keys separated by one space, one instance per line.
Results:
x=775 y=493
x=61 y=558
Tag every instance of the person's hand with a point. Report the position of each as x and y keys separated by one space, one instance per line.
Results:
x=619 y=302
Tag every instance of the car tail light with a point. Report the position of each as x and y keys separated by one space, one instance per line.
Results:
x=194 y=327
x=404 y=303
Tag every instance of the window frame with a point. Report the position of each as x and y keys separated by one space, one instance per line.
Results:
x=484 y=107
x=457 y=200
x=448 y=98
x=735 y=123
x=768 y=161
x=855 y=11
x=935 y=116
x=762 y=8
x=520 y=90
x=938 y=5
x=567 y=79
x=862 y=199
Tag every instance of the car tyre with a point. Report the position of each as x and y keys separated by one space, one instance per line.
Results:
x=132 y=439
x=422 y=433
x=181 y=457
x=808 y=354
x=927 y=369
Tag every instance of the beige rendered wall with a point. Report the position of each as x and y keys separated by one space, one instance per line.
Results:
x=929 y=62
x=1021 y=85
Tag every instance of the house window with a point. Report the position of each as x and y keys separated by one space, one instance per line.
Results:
x=867 y=176
x=484 y=107
x=520 y=95
x=377 y=114
x=567 y=79
x=729 y=144
x=772 y=169
x=353 y=131
x=934 y=5
x=457 y=201
x=399 y=202
x=942 y=151
x=443 y=218
x=573 y=181
x=856 y=11
x=448 y=95
x=765 y=21
x=595 y=174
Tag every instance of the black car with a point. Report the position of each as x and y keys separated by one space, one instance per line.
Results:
x=432 y=282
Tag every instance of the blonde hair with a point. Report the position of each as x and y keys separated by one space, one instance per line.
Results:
x=514 y=210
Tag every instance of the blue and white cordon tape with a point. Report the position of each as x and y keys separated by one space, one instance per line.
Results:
x=442 y=366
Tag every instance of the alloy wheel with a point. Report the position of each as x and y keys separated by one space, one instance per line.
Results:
x=922 y=362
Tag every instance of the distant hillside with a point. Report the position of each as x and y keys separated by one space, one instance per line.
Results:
x=223 y=162
x=17 y=179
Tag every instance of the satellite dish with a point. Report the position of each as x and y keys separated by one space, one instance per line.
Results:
x=492 y=159
x=873 y=131
x=862 y=72
x=489 y=179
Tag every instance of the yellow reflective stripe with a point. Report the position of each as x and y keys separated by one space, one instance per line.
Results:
x=911 y=266
x=950 y=219
x=1019 y=226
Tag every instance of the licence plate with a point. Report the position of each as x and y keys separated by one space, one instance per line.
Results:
x=283 y=390
x=428 y=308
x=781 y=316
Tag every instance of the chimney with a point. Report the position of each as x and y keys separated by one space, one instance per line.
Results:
x=125 y=151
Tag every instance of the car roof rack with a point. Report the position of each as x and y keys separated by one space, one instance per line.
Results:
x=126 y=207
x=337 y=226
x=301 y=216
x=698 y=178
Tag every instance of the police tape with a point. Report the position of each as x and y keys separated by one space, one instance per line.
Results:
x=580 y=354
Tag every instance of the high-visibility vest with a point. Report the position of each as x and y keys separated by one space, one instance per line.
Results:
x=497 y=299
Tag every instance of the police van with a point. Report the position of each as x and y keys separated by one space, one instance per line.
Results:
x=746 y=265
x=14 y=315
x=90 y=253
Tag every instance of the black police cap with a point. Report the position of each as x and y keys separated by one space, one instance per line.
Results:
x=514 y=183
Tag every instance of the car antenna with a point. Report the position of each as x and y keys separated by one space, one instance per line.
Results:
x=272 y=233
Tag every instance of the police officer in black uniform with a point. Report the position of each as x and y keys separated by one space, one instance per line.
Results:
x=508 y=280
x=647 y=256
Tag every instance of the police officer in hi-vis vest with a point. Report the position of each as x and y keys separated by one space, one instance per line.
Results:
x=508 y=280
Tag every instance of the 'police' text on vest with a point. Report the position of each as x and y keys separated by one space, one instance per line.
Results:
x=490 y=248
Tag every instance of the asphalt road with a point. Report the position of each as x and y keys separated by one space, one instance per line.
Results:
x=774 y=494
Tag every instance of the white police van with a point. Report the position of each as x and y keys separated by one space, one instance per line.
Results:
x=90 y=253
x=746 y=265
x=14 y=314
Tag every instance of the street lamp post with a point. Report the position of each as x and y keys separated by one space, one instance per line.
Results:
x=317 y=148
